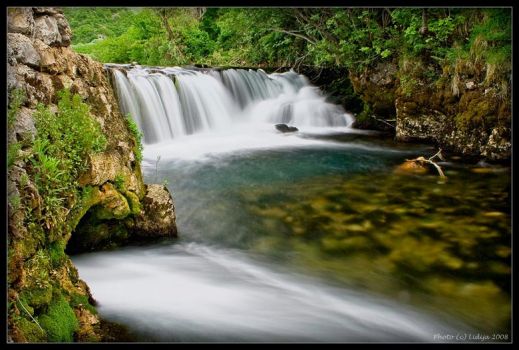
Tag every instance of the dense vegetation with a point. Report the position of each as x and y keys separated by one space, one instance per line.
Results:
x=354 y=38
x=49 y=164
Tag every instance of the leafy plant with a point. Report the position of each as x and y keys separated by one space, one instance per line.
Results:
x=59 y=152
x=137 y=134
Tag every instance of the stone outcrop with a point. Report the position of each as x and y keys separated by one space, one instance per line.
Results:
x=42 y=281
x=460 y=111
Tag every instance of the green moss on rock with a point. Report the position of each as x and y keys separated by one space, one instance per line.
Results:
x=31 y=331
x=59 y=321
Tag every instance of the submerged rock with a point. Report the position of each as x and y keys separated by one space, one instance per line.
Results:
x=411 y=167
x=285 y=128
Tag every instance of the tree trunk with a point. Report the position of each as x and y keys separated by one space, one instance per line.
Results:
x=425 y=22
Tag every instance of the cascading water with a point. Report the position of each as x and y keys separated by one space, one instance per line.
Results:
x=173 y=102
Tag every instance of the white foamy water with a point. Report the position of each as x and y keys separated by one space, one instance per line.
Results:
x=192 y=292
x=170 y=103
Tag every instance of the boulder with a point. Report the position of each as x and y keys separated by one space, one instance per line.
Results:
x=21 y=49
x=20 y=20
x=157 y=217
x=411 y=167
x=46 y=29
x=285 y=128
x=64 y=29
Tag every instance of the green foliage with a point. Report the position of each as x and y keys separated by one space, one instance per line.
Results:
x=352 y=37
x=60 y=150
x=59 y=321
x=137 y=134
x=98 y=22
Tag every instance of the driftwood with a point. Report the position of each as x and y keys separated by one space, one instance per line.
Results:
x=421 y=161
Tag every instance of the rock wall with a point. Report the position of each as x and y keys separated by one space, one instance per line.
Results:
x=47 y=301
x=460 y=109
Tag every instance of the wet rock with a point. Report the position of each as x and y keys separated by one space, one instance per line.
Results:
x=21 y=49
x=285 y=128
x=20 y=20
x=157 y=217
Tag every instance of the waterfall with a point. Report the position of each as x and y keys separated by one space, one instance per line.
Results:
x=173 y=102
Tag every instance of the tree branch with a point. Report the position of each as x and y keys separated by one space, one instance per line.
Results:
x=430 y=161
x=312 y=41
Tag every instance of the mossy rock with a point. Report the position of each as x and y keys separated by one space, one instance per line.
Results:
x=114 y=205
x=31 y=332
x=37 y=297
x=133 y=202
x=59 y=321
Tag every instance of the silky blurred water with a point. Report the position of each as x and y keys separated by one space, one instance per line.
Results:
x=313 y=237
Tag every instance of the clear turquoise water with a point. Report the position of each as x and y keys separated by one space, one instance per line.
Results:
x=340 y=215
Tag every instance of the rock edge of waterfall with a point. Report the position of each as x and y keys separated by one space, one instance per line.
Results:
x=47 y=301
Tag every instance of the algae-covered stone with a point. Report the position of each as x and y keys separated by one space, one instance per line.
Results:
x=113 y=204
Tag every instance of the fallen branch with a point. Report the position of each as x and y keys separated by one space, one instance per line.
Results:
x=422 y=160
x=384 y=121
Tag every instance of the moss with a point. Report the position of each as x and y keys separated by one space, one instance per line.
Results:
x=119 y=183
x=37 y=270
x=89 y=197
x=77 y=300
x=476 y=110
x=117 y=208
x=57 y=253
x=134 y=203
x=37 y=297
x=59 y=321
x=31 y=331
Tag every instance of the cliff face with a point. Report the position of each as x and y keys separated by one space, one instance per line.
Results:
x=465 y=108
x=47 y=299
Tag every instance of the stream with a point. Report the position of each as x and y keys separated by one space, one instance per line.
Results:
x=309 y=236
x=315 y=242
